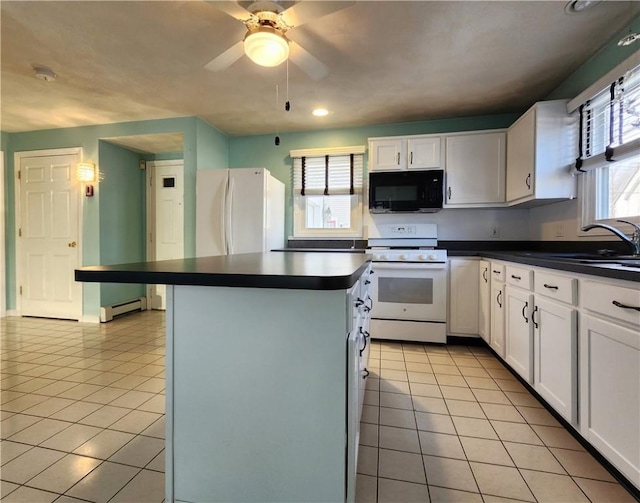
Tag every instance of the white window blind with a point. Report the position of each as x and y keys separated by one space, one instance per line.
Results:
x=610 y=123
x=328 y=174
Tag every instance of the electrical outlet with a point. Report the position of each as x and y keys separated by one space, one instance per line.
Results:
x=495 y=231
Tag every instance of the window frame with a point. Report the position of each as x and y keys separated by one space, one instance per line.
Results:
x=300 y=231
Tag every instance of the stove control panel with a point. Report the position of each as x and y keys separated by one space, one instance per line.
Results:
x=409 y=255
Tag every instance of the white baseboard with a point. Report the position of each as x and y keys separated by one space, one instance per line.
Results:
x=11 y=312
x=108 y=312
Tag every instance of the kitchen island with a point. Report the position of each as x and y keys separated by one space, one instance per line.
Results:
x=265 y=364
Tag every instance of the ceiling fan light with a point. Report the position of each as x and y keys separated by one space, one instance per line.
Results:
x=266 y=47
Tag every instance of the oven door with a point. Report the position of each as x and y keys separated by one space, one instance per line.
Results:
x=409 y=291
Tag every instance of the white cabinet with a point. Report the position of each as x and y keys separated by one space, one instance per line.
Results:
x=610 y=373
x=497 y=341
x=484 y=300
x=463 y=296
x=519 y=331
x=405 y=152
x=555 y=335
x=540 y=149
x=475 y=169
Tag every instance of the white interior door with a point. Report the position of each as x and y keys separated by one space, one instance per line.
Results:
x=48 y=234
x=166 y=237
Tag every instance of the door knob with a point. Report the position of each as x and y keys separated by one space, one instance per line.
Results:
x=73 y=244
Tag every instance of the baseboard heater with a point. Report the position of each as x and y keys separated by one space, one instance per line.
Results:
x=107 y=313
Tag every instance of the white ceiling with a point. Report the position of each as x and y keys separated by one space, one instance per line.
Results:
x=388 y=61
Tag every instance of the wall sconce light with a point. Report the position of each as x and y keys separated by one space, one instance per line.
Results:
x=86 y=173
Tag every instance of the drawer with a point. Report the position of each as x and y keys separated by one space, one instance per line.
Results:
x=557 y=287
x=497 y=271
x=611 y=300
x=520 y=277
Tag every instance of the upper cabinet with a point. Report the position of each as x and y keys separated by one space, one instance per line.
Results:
x=402 y=153
x=540 y=149
x=475 y=169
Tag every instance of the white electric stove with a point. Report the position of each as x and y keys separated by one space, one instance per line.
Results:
x=409 y=283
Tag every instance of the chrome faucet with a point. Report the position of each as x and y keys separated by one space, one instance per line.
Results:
x=633 y=241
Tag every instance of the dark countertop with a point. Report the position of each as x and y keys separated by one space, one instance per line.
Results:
x=542 y=259
x=309 y=271
x=322 y=250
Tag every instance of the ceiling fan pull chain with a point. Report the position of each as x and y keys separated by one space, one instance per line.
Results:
x=287 y=105
x=277 y=138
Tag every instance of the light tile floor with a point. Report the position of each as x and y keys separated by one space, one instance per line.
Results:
x=452 y=424
x=82 y=410
x=82 y=419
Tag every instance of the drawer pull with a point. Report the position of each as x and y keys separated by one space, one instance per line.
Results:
x=496 y=272
x=550 y=287
x=624 y=306
x=516 y=277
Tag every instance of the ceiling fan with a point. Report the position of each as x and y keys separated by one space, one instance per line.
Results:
x=266 y=42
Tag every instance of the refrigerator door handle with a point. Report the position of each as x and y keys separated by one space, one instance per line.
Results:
x=228 y=216
x=223 y=219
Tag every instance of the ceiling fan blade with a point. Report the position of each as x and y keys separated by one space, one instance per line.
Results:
x=227 y=58
x=306 y=11
x=309 y=64
x=232 y=8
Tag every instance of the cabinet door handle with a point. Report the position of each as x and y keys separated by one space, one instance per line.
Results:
x=449 y=193
x=624 y=306
x=365 y=373
x=398 y=161
x=365 y=335
x=528 y=181
x=367 y=282
x=484 y=275
x=411 y=158
x=516 y=277
x=359 y=302
x=498 y=298
x=368 y=308
x=526 y=305
x=550 y=287
x=533 y=318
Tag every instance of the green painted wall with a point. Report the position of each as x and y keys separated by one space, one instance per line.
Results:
x=122 y=217
x=608 y=57
x=260 y=151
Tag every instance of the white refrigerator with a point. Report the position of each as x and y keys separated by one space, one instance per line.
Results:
x=238 y=211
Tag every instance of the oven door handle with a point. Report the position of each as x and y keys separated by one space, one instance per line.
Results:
x=409 y=265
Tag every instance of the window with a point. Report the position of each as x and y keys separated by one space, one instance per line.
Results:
x=327 y=192
x=609 y=153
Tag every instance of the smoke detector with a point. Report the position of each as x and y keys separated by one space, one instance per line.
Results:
x=44 y=73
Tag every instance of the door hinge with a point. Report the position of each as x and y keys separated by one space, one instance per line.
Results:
x=19 y=175
x=20 y=232
x=151 y=237
x=150 y=181
x=20 y=289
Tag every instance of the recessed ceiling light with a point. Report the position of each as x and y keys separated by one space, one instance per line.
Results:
x=320 y=112
x=578 y=6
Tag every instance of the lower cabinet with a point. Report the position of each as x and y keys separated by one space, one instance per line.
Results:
x=555 y=356
x=610 y=392
x=497 y=317
x=484 y=301
x=519 y=331
x=463 y=288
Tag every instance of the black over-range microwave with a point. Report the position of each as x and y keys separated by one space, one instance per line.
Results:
x=406 y=191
